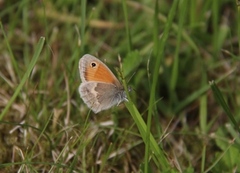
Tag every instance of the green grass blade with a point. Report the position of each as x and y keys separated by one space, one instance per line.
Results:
x=83 y=24
x=158 y=55
x=10 y=50
x=127 y=25
x=197 y=93
x=174 y=76
x=25 y=77
x=238 y=8
x=158 y=156
x=219 y=98
x=152 y=99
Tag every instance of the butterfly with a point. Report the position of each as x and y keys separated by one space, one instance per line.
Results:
x=100 y=89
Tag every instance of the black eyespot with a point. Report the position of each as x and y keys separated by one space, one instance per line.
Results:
x=93 y=64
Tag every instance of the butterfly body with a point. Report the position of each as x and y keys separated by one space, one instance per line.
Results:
x=99 y=89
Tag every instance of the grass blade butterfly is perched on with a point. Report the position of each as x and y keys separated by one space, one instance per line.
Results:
x=100 y=89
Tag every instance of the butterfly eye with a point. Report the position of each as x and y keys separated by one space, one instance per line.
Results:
x=93 y=64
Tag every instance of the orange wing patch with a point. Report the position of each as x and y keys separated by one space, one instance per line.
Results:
x=97 y=72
